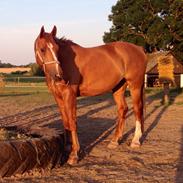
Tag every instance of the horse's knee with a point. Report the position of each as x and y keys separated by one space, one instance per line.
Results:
x=70 y=125
x=123 y=110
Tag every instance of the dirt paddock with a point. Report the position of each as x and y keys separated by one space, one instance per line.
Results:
x=159 y=159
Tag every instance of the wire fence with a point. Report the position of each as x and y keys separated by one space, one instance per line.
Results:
x=24 y=81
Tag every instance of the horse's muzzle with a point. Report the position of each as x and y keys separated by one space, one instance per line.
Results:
x=54 y=71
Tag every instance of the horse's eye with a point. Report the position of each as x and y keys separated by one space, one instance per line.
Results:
x=42 y=50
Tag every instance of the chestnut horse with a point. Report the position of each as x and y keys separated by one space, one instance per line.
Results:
x=72 y=70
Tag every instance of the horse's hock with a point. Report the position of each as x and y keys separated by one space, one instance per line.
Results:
x=24 y=150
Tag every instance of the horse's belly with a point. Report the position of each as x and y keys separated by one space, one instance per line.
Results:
x=100 y=74
x=99 y=85
x=92 y=91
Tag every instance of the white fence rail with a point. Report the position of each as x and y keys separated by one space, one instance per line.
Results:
x=24 y=81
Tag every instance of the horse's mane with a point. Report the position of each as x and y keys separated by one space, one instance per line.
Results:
x=65 y=41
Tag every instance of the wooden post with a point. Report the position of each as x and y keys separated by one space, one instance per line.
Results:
x=145 y=81
x=166 y=92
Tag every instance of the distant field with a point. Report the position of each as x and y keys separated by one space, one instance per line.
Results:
x=14 y=69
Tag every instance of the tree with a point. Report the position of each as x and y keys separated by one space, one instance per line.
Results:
x=35 y=70
x=6 y=65
x=154 y=24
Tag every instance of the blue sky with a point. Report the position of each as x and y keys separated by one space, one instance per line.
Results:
x=83 y=21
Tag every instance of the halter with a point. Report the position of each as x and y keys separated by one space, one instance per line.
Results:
x=55 y=61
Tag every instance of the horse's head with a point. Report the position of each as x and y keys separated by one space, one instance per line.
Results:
x=46 y=52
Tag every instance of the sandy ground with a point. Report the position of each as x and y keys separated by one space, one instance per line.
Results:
x=159 y=159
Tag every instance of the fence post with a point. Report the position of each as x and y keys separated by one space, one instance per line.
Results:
x=166 y=93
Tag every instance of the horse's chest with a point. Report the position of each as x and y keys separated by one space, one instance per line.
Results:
x=56 y=88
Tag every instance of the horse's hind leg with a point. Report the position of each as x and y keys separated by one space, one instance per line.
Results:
x=122 y=107
x=137 y=99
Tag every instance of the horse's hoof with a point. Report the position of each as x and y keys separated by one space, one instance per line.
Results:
x=135 y=145
x=112 y=145
x=72 y=161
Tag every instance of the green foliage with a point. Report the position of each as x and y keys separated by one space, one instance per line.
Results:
x=19 y=72
x=35 y=70
x=153 y=24
x=5 y=65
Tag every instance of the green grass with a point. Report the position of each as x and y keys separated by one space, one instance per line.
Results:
x=33 y=92
x=179 y=103
x=13 y=91
x=22 y=98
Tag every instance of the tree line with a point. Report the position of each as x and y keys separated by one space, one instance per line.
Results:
x=6 y=65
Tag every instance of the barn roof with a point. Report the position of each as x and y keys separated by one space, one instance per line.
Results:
x=152 y=66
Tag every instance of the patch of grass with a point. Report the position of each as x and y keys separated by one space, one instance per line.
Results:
x=14 y=91
x=179 y=103
x=21 y=98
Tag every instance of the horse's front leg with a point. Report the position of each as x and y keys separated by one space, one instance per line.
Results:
x=66 y=101
x=69 y=103
x=67 y=138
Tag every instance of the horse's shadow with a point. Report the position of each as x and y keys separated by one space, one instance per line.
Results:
x=108 y=125
x=159 y=96
x=92 y=130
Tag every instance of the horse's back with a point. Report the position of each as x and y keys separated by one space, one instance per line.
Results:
x=122 y=54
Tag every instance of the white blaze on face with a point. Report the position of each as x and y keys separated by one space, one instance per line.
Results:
x=50 y=46
x=138 y=132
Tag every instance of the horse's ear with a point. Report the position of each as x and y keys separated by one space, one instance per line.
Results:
x=41 y=32
x=54 y=31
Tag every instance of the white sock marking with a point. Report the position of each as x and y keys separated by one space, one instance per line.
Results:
x=138 y=132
